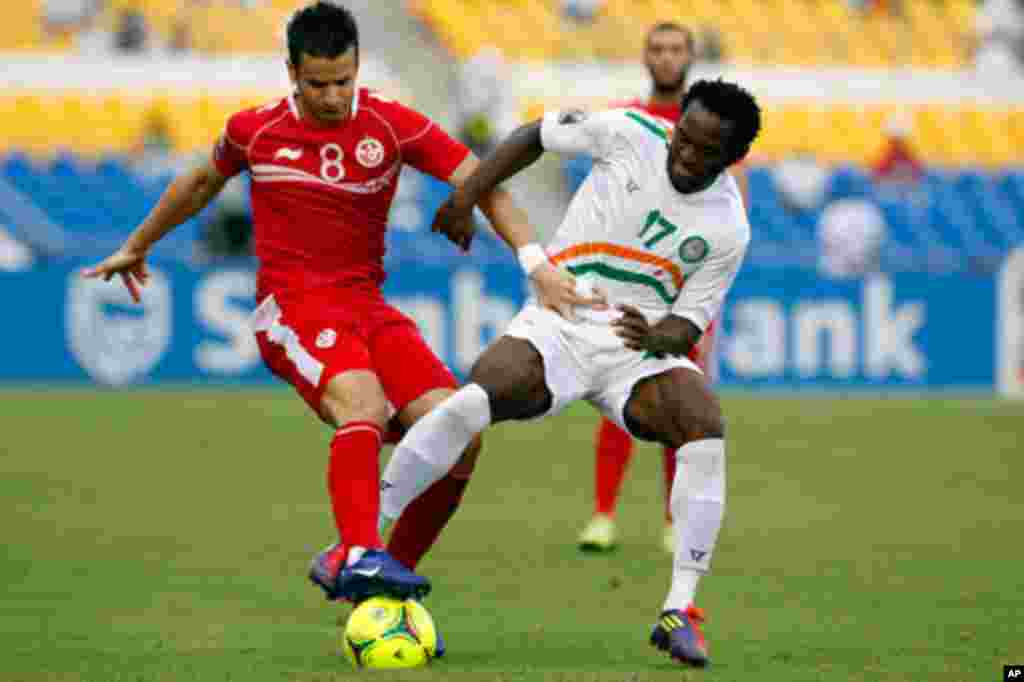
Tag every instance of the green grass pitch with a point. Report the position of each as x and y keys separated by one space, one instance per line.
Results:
x=165 y=536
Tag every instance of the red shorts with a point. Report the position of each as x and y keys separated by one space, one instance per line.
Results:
x=310 y=342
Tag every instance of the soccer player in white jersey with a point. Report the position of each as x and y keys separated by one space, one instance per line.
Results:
x=658 y=231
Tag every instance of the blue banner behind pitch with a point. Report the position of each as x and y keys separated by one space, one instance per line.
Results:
x=782 y=328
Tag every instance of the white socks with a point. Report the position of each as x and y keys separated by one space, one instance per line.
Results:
x=698 y=504
x=431 y=448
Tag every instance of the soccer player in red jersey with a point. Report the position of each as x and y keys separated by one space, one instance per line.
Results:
x=669 y=53
x=325 y=165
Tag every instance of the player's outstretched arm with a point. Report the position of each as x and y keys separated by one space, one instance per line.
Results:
x=519 y=150
x=476 y=182
x=187 y=195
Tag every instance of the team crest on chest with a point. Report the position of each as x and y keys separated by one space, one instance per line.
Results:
x=694 y=249
x=370 y=152
x=326 y=338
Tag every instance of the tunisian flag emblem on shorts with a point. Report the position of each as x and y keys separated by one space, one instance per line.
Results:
x=370 y=152
x=326 y=338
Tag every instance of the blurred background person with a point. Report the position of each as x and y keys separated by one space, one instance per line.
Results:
x=486 y=111
x=898 y=163
x=180 y=42
x=802 y=181
x=851 y=236
x=581 y=12
x=67 y=15
x=710 y=45
x=153 y=151
x=132 y=34
x=92 y=39
x=14 y=256
x=999 y=38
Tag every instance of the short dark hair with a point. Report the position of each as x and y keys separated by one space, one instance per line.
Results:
x=732 y=103
x=691 y=41
x=322 y=29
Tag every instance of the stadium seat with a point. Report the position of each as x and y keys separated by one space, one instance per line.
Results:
x=820 y=32
x=848 y=182
x=955 y=217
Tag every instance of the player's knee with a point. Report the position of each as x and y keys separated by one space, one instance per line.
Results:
x=703 y=424
x=342 y=409
x=515 y=390
x=518 y=400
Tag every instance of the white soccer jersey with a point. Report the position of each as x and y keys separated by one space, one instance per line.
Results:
x=631 y=233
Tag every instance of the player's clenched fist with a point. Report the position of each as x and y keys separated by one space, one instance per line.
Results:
x=455 y=220
x=131 y=265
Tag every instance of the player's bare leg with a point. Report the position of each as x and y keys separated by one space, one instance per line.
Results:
x=421 y=523
x=678 y=409
x=355 y=404
x=507 y=382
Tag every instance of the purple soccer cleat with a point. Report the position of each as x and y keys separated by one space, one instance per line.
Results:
x=678 y=633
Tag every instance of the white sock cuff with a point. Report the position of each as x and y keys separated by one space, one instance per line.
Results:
x=704 y=463
x=704 y=445
x=472 y=403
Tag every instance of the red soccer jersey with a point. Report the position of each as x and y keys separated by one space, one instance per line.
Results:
x=321 y=196
x=670 y=113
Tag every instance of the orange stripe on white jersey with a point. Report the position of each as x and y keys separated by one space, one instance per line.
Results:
x=623 y=252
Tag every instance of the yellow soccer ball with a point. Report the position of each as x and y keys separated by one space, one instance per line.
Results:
x=386 y=633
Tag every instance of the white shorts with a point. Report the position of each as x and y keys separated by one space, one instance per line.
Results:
x=587 y=361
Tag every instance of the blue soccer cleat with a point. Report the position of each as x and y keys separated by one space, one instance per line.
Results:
x=326 y=566
x=378 y=573
x=678 y=633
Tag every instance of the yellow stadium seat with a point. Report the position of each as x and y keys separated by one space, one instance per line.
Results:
x=845 y=137
x=126 y=113
x=18 y=120
x=21 y=27
x=1015 y=142
x=786 y=127
x=940 y=135
x=983 y=134
x=7 y=113
x=82 y=126
x=798 y=32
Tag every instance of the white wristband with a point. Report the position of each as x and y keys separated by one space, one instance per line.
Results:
x=531 y=257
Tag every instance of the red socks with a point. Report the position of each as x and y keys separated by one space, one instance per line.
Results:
x=419 y=526
x=353 y=479
x=614 y=448
x=669 y=469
